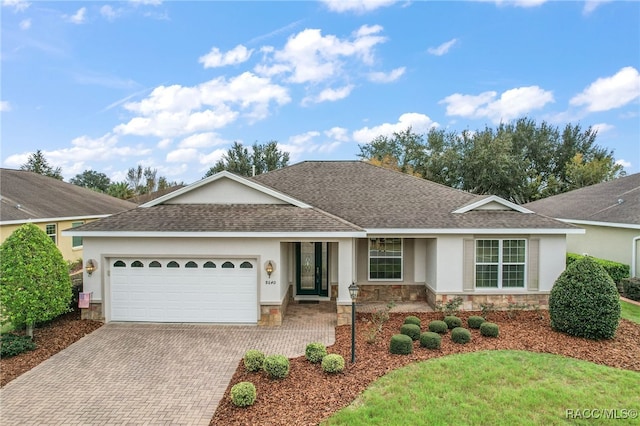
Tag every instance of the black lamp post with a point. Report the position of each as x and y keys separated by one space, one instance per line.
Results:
x=353 y=292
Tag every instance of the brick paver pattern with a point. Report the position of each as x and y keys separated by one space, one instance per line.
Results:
x=152 y=374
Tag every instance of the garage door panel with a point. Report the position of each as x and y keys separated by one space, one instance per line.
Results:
x=184 y=294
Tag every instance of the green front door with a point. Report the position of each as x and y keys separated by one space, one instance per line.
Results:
x=312 y=260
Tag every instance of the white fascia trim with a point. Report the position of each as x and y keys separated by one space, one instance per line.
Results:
x=52 y=219
x=492 y=199
x=132 y=234
x=460 y=231
x=594 y=223
x=235 y=178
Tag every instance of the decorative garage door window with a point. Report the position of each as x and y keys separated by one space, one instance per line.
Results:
x=228 y=265
x=246 y=265
x=175 y=264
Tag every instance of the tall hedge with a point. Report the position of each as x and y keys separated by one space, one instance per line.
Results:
x=34 y=279
x=584 y=301
x=617 y=271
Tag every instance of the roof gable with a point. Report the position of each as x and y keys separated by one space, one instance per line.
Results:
x=492 y=202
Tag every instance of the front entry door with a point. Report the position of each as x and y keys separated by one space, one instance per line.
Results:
x=312 y=278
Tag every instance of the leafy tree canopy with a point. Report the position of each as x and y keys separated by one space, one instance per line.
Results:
x=92 y=180
x=264 y=157
x=37 y=163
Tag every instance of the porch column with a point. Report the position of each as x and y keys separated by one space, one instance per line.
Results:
x=346 y=275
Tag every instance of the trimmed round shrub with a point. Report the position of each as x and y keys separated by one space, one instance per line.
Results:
x=460 y=335
x=430 y=340
x=401 y=344
x=315 y=352
x=276 y=366
x=411 y=319
x=438 y=326
x=411 y=330
x=333 y=363
x=452 y=321
x=253 y=360
x=489 y=329
x=13 y=344
x=475 y=321
x=243 y=394
x=584 y=301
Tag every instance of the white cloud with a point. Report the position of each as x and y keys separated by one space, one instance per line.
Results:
x=591 y=5
x=330 y=95
x=419 y=123
x=381 y=77
x=443 y=48
x=215 y=58
x=79 y=17
x=512 y=103
x=25 y=24
x=165 y=143
x=182 y=155
x=5 y=106
x=624 y=163
x=146 y=2
x=517 y=3
x=338 y=133
x=17 y=5
x=202 y=140
x=610 y=92
x=109 y=12
x=358 y=6
x=213 y=157
x=602 y=127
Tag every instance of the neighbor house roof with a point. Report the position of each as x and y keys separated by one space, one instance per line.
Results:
x=27 y=196
x=616 y=201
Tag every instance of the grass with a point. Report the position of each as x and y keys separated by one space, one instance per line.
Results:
x=492 y=387
x=630 y=311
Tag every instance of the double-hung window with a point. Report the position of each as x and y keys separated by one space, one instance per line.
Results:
x=385 y=259
x=51 y=230
x=500 y=263
x=76 y=242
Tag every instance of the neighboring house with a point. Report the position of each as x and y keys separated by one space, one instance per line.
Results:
x=610 y=214
x=230 y=249
x=52 y=205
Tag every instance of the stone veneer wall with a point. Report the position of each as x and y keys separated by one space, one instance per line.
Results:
x=471 y=302
x=344 y=314
x=387 y=293
x=271 y=315
x=94 y=312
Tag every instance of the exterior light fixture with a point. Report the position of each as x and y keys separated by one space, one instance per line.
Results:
x=269 y=268
x=90 y=266
x=353 y=292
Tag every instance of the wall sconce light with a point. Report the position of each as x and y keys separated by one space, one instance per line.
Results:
x=269 y=268
x=90 y=266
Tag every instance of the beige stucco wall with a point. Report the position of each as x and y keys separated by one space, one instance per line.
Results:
x=63 y=243
x=605 y=242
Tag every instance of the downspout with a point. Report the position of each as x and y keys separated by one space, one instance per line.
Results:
x=634 y=256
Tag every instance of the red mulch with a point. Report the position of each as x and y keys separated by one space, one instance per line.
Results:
x=50 y=339
x=307 y=395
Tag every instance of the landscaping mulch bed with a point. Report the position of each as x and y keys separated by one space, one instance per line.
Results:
x=308 y=395
x=50 y=339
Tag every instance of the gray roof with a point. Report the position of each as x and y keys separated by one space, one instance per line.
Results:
x=30 y=196
x=616 y=201
x=221 y=218
x=377 y=198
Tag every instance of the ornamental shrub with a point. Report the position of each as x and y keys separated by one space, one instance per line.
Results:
x=253 y=360
x=315 y=352
x=475 y=321
x=631 y=288
x=460 y=335
x=438 y=326
x=584 y=301
x=34 y=278
x=452 y=322
x=489 y=329
x=411 y=319
x=332 y=363
x=276 y=366
x=243 y=394
x=411 y=330
x=13 y=344
x=617 y=271
x=401 y=344
x=430 y=340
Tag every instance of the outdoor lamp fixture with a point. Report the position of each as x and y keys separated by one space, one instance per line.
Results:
x=90 y=266
x=353 y=292
x=269 y=268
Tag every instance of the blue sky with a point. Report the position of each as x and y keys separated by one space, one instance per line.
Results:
x=108 y=85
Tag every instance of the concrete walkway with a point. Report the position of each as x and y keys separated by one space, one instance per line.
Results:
x=152 y=374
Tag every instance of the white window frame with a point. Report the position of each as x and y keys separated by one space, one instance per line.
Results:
x=75 y=225
x=54 y=235
x=401 y=257
x=500 y=264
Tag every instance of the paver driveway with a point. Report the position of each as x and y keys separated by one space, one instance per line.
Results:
x=132 y=373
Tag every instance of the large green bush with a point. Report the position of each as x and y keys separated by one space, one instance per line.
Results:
x=617 y=271
x=401 y=344
x=276 y=366
x=253 y=360
x=314 y=352
x=13 y=344
x=584 y=301
x=34 y=278
x=631 y=288
x=243 y=394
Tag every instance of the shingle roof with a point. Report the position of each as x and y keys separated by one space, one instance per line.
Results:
x=30 y=196
x=221 y=218
x=616 y=201
x=376 y=198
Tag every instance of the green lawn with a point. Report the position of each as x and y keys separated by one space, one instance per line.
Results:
x=630 y=311
x=493 y=387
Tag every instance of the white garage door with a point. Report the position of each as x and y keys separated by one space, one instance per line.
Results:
x=184 y=290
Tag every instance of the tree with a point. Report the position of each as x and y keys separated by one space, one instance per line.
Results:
x=92 y=180
x=120 y=190
x=263 y=158
x=406 y=148
x=145 y=181
x=34 y=278
x=37 y=163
